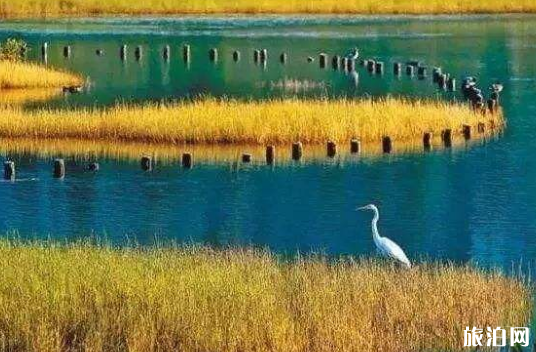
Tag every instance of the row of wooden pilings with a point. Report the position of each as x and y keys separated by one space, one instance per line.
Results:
x=148 y=163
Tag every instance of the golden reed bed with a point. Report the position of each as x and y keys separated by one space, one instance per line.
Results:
x=256 y=123
x=42 y=8
x=87 y=298
x=22 y=75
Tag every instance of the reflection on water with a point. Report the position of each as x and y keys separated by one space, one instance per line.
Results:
x=463 y=204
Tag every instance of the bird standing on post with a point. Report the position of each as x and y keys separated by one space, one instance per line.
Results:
x=385 y=246
x=354 y=54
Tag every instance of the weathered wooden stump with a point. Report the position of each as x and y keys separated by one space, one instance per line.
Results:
x=44 y=49
x=446 y=137
x=283 y=58
x=355 y=146
x=9 y=170
x=427 y=140
x=436 y=72
x=236 y=55
x=123 y=50
x=421 y=72
x=387 y=144
x=466 y=130
x=331 y=149
x=93 y=167
x=138 y=53
x=410 y=70
x=350 y=65
x=147 y=163
x=256 y=55
x=481 y=127
x=397 y=68
x=451 y=84
x=187 y=160
x=492 y=106
x=323 y=60
x=379 y=68
x=186 y=53
x=336 y=62
x=246 y=158
x=99 y=52
x=264 y=55
x=213 y=54
x=59 y=168
x=297 y=150
x=166 y=53
x=270 y=155
x=371 y=66
x=67 y=51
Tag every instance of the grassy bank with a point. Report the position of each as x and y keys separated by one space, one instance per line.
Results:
x=40 y=8
x=277 y=122
x=23 y=75
x=55 y=298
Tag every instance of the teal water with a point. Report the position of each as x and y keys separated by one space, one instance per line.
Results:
x=474 y=204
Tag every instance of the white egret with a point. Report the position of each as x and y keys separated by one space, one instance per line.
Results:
x=384 y=245
x=354 y=54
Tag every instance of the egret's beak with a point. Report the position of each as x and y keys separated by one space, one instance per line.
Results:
x=360 y=208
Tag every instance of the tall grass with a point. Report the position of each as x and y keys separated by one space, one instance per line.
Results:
x=87 y=298
x=278 y=121
x=29 y=75
x=35 y=8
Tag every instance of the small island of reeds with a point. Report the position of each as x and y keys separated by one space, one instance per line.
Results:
x=47 y=8
x=90 y=297
x=212 y=121
x=24 y=75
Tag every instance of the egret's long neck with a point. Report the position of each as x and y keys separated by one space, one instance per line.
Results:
x=375 y=233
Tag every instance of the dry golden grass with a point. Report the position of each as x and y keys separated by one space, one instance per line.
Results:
x=277 y=122
x=18 y=75
x=36 y=8
x=87 y=298
x=83 y=150
x=27 y=96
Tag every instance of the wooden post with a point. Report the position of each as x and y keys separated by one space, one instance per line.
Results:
x=166 y=53
x=138 y=53
x=379 y=67
x=123 y=52
x=59 y=168
x=270 y=155
x=446 y=137
x=355 y=146
x=93 y=167
x=436 y=72
x=9 y=170
x=213 y=54
x=323 y=60
x=236 y=55
x=44 y=50
x=466 y=131
x=387 y=144
x=264 y=55
x=442 y=82
x=451 y=84
x=187 y=160
x=283 y=58
x=297 y=150
x=410 y=70
x=67 y=52
x=344 y=63
x=421 y=72
x=350 y=65
x=397 y=68
x=99 y=52
x=186 y=53
x=336 y=62
x=481 y=127
x=492 y=106
x=257 y=55
x=427 y=140
x=146 y=163
x=371 y=65
x=246 y=158
x=331 y=149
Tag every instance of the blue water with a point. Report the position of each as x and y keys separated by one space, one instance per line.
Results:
x=477 y=204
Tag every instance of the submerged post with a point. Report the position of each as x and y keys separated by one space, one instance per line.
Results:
x=94 y=167
x=236 y=56
x=451 y=84
x=379 y=67
x=246 y=158
x=397 y=68
x=123 y=52
x=187 y=160
x=350 y=65
x=336 y=62
x=138 y=53
x=387 y=144
x=264 y=55
x=9 y=170
x=283 y=58
x=436 y=72
x=213 y=54
x=256 y=55
x=446 y=136
x=421 y=72
x=323 y=60
x=297 y=150
x=466 y=129
x=331 y=149
x=355 y=146
x=186 y=53
x=410 y=70
x=44 y=49
x=270 y=155
x=146 y=163
x=492 y=106
x=59 y=168
x=427 y=140
x=371 y=66
x=67 y=51
x=481 y=127
x=166 y=53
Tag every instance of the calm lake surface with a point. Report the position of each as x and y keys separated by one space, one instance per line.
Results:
x=470 y=204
